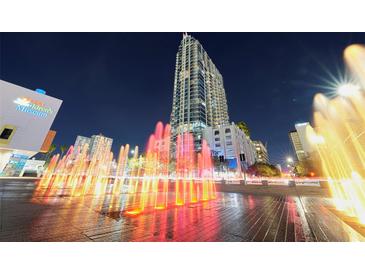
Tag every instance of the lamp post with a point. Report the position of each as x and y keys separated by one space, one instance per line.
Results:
x=289 y=164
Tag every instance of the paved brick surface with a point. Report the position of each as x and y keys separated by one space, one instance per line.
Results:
x=273 y=215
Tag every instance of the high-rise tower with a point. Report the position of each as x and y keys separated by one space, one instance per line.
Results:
x=199 y=97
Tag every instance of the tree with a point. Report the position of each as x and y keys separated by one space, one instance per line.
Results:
x=63 y=149
x=308 y=167
x=300 y=169
x=243 y=126
x=264 y=170
x=218 y=165
x=51 y=149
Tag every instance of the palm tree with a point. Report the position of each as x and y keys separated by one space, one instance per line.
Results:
x=63 y=149
x=243 y=126
x=51 y=149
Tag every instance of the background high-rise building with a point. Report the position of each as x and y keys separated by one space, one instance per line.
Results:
x=261 y=152
x=199 y=98
x=300 y=142
x=297 y=145
x=100 y=142
x=96 y=143
x=80 y=142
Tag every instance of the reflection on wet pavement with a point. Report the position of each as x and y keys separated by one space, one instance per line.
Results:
x=231 y=217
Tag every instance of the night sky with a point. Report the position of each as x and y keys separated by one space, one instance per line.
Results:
x=121 y=84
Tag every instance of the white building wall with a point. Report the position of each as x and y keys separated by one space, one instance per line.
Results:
x=229 y=141
x=302 y=130
x=29 y=115
x=29 y=122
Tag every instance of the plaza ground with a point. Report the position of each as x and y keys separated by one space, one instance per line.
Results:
x=240 y=213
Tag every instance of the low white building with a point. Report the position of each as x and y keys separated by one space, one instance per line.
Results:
x=33 y=168
x=25 y=120
x=230 y=142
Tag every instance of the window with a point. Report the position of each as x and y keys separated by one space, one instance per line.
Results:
x=227 y=130
x=217 y=139
x=217 y=145
x=5 y=134
x=216 y=132
x=228 y=137
x=229 y=143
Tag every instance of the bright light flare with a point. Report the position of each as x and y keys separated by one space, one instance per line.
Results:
x=348 y=89
x=289 y=159
x=339 y=124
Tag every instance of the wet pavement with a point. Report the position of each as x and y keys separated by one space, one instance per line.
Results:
x=274 y=215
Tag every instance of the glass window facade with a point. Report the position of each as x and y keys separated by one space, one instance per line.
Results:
x=199 y=98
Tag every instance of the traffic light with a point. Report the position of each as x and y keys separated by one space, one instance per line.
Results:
x=242 y=157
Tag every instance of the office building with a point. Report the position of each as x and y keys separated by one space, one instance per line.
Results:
x=100 y=144
x=80 y=143
x=25 y=120
x=96 y=144
x=232 y=143
x=300 y=142
x=261 y=152
x=199 y=98
x=297 y=145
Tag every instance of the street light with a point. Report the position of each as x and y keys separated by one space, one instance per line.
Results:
x=290 y=164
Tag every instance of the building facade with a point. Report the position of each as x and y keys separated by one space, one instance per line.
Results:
x=25 y=120
x=262 y=155
x=296 y=145
x=80 y=143
x=230 y=142
x=100 y=144
x=300 y=142
x=199 y=98
x=95 y=144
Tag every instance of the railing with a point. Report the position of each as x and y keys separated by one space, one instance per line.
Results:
x=273 y=181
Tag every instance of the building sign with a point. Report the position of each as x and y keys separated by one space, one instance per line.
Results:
x=32 y=106
x=26 y=117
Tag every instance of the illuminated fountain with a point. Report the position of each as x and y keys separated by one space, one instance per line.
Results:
x=156 y=182
x=149 y=177
x=151 y=181
x=75 y=174
x=339 y=138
